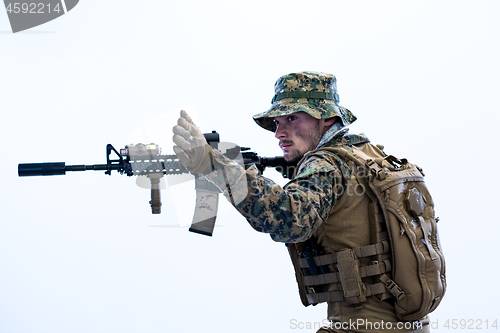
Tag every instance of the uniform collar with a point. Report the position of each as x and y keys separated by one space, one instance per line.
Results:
x=337 y=130
x=340 y=137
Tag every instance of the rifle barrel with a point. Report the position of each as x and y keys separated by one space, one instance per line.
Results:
x=95 y=167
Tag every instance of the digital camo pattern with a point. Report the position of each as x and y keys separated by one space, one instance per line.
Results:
x=293 y=212
x=347 y=140
x=316 y=107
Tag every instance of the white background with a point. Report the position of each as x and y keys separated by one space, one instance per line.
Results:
x=83 y=253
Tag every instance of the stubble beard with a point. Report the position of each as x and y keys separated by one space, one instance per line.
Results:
x=312 y=137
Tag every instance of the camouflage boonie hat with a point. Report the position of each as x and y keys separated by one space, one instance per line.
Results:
x=310 y=92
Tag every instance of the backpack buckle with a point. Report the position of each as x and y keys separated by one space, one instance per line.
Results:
x=392 y=287
x=374 y=167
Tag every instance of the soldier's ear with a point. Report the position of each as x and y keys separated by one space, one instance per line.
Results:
x=325 y=124
x=329 y=121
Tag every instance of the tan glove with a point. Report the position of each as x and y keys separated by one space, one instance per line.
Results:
x=191 y=147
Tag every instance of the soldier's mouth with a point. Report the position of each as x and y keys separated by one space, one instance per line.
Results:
x=285 y=145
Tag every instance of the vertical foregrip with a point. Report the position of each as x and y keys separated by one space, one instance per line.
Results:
x=155 y=196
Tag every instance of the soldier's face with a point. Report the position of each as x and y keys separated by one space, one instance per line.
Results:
x=298 y=133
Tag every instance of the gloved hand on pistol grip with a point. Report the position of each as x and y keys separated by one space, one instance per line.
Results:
x=190 y=145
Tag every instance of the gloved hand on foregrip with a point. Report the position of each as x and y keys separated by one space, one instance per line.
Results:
x=190 y=145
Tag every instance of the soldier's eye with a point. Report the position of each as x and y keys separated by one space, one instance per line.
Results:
x=291 y=118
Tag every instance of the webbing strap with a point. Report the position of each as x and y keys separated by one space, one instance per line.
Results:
x=305 y=94
x=366 y=187
x=321 y=279
x=338 y=296
x=376 y=269
x=375 y=289
x=329 y=278
x=323 y=260
x=361 y=252
x=371 y=250
x=376 y=169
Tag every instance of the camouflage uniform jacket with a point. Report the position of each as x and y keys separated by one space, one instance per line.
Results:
x=323 y=201
x=291 y=213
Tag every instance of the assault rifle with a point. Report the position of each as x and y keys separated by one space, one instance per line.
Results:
x=147 y=160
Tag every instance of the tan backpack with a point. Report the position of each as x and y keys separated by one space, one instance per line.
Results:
x=402 y=214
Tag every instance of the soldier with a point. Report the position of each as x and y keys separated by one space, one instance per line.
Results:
x=324 y=209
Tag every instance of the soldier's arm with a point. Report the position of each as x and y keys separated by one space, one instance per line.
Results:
x=291 y=213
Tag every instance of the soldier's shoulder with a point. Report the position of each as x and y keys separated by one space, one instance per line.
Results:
x=349 y=140
x=322 y=161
